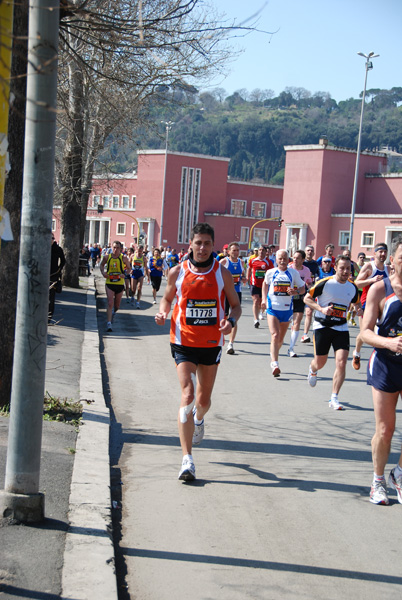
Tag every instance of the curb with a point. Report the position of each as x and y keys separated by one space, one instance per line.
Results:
x=89 y=564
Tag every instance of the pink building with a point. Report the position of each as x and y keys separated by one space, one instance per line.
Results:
x=172 y=191
x=317 y=199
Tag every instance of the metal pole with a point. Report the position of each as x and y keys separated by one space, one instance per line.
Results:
x=355 y=183
x=168 y=128
x=21 y=498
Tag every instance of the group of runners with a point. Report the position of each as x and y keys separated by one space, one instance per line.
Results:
x=206 y=291
x=208 y=306
x=125 y=271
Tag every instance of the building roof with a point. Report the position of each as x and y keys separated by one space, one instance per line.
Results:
x=163 y=151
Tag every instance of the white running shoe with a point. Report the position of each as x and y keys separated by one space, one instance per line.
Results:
x=187 y=471
x=396 y=484
x=378 y=492
x=292 y=353
x=230 y=349
x=109 y=326
x=333 y=403
x=312 y=378
x=275 y=369
x=305 y=339
x=198 y=434
x=154 y=302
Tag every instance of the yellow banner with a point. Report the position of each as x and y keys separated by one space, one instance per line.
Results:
x=6 y=30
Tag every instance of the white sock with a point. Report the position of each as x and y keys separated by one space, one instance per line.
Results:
x=356 y=353
x=334 y=397
x=188 y=457
x=293 y=339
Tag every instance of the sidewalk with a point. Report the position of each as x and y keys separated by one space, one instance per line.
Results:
x=70 y=554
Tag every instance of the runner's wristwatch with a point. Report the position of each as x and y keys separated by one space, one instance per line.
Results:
x=232 y=322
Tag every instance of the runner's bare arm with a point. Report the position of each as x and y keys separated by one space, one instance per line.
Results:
x=127 y=263
x=233 y=299
x=374 y=306
x=311 y=303
x=102 y=267
x=365 y=277
x=168 y=296
x=264 y=294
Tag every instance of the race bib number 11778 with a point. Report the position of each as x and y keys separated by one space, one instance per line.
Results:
x=201 y=312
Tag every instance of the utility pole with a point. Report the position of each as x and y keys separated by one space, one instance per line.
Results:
x=21 y=498
x=169 y=125
x=368 y=66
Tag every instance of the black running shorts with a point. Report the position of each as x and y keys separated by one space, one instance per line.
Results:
x=325 y=337
x=198 y=356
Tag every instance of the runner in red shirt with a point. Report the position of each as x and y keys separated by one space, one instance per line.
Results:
x=257 y=267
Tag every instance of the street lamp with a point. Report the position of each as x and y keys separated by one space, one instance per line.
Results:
x=168 y=125
x=369 y=66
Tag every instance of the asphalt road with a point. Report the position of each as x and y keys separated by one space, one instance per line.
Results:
x=280 y=506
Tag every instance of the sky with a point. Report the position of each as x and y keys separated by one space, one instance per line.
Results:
x=315 y=45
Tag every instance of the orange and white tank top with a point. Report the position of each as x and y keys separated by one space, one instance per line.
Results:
x=199 y=308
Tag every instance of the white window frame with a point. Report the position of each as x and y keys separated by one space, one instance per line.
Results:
x=105 y=201
x=342 y=241
x=134 y=201
x=118 y=226
x=95 y=201
x=244 y=235
x=53 y=224
x=190 y=187
x=362 y=244
x=277 y=237
x=115 y=201
x=244 y=202
x=264 y=204
x=125 y=200
x=276 y=211
x=265 y=241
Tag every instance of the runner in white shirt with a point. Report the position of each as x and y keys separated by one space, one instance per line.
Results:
x=279 y=286
x=298 y=305
x=331 y=298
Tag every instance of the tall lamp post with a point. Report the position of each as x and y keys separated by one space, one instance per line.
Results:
x=168 y=125
x=369 y=66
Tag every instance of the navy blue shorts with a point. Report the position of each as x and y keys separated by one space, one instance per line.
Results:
x=384 y=374
x=198 y=356
x=137 y=274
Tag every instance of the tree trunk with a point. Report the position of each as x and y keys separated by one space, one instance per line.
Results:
x=72 y=179
x=12 y=199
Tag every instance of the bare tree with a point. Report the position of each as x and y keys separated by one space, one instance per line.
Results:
x=117 y=49
x=219 y=93
x=12 y=198
x=243 y=93
x=298 y=93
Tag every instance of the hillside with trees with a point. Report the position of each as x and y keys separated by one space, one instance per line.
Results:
x=253 y=128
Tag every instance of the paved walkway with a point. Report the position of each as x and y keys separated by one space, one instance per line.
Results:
x=72 y=549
